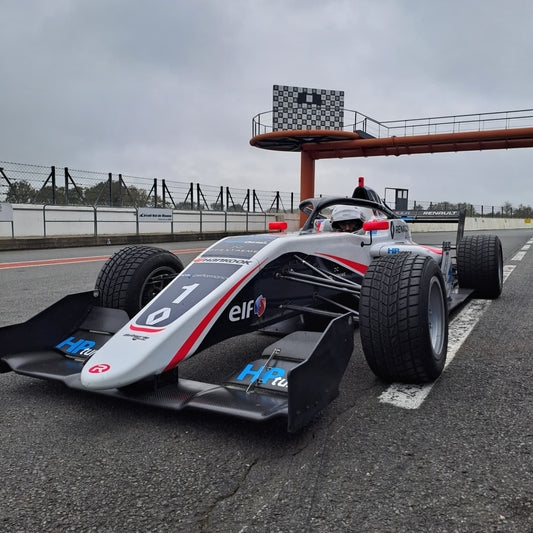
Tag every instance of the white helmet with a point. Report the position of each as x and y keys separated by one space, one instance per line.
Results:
x=344 y=213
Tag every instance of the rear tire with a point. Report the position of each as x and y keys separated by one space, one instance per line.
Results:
x=480 y=265
x=403 y=318
x=134 y=275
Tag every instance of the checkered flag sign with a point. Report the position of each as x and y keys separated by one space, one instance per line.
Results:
x=300 y=108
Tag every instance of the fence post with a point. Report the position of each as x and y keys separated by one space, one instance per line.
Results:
x=53 y=176
x=66 y=186
x=44 y=220
x=95 y=221
x=110 y=189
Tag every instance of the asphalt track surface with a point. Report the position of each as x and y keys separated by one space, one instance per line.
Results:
x=461 y=462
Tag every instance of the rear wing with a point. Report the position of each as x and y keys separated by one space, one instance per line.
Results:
x=456 y=216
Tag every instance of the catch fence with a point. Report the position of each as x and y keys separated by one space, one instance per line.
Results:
x=36 y=184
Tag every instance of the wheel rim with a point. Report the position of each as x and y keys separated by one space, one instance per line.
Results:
x=500 y=270
x=155 y=283
x=436 y=316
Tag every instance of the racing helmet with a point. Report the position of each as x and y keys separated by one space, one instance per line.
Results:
x=347 y=213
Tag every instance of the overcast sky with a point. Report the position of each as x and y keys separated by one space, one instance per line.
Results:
x=168 y=88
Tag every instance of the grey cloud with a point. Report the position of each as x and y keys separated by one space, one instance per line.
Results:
x=169 y=88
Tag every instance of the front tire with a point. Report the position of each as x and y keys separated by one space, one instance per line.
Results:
x=403 y=318
x=134 y=275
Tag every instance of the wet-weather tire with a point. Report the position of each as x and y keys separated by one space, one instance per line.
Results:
x=134 y=275
x=403 y=318
x=480 y=265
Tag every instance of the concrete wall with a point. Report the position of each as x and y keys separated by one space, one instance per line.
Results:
x=51 y=221
x=476 y=223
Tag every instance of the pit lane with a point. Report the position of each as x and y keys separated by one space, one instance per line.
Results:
x=461 y=461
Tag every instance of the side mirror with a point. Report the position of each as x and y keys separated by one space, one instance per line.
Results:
x=277 y=226
x=375 y=225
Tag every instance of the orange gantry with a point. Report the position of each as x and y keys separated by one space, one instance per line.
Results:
x=328 y=144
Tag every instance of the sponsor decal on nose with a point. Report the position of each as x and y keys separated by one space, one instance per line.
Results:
x=99 y=369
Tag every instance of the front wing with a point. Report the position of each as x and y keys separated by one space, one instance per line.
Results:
x=295 y=377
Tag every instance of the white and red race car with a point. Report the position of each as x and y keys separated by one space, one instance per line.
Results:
x=310 y=288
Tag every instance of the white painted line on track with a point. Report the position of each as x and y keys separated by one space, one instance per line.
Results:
x=413 y=396
x=526 y=247
x=507 y=270
x=518 y=256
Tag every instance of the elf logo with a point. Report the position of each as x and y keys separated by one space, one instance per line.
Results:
x=244 y=310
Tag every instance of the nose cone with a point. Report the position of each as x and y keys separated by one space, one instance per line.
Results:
x=118 y=363
x=101 y=376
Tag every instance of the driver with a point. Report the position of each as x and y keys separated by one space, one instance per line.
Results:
x=347 y=218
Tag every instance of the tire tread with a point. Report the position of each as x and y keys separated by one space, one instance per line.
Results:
x=394 y=338
x=116 y=278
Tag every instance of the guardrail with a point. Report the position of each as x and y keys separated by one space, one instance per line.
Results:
x=52 y=221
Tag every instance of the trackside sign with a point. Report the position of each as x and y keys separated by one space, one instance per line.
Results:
x=154 y=214
x=6 y=213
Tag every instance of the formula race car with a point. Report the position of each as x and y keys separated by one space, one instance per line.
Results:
x=311 y=290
